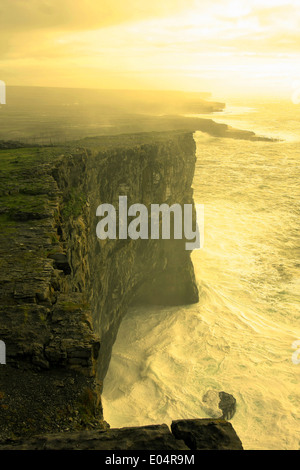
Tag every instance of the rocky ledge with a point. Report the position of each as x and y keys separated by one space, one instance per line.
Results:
x=64 y=292
x=193 y=434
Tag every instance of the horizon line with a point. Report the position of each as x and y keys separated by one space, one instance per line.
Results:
x=110 y=89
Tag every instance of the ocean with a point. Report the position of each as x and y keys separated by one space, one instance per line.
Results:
x=238 y=338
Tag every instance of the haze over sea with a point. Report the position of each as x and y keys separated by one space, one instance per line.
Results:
x=239 y=337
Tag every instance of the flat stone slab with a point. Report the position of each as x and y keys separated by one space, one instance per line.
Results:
x=189 y=434
x=156 y=437
x=207 y=434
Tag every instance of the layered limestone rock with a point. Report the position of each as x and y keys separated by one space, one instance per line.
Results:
x=64 y=292
x=200 y=434
x=207 y=434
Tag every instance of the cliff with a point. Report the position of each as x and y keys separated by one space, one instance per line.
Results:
x=64 y=292
x=70 y=114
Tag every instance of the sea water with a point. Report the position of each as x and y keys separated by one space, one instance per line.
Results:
x=239 y=337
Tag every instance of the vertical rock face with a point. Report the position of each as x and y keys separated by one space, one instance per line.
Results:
x=116 y=273
x=64 y=292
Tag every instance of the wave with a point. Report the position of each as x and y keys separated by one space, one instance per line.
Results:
x=239 y=337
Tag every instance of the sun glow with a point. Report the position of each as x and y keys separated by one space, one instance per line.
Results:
x=196 y=46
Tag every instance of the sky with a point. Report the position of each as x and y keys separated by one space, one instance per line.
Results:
x=221 y=46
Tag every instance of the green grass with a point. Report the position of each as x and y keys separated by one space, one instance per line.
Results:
x=19 y=202
x=74 y=206
x=7 y=225
x=14 y=160
x=23 y=189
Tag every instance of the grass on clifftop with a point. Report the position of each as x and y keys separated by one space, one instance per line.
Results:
x=22 y=190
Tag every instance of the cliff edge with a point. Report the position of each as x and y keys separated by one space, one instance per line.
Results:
x=63 y=291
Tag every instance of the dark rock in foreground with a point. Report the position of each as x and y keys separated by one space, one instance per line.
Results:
x=141 y=438
x=193 y=434
x=207 y=434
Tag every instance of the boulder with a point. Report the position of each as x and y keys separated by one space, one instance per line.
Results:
x=207 y=434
